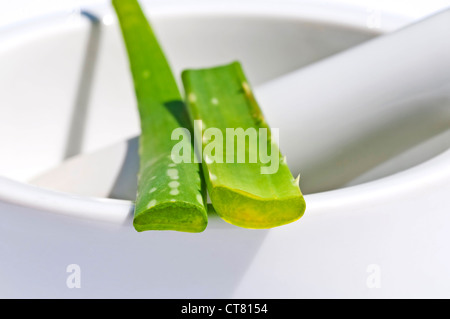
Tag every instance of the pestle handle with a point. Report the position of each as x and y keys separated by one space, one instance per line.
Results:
x=362 y=90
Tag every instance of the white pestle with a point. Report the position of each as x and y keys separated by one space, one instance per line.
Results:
x=337 y=98
x=359 y=90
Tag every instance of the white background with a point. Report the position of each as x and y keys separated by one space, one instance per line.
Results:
x=17 y=10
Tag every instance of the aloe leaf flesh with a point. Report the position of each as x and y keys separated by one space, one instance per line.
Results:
x=170 y=196
x=241 y=194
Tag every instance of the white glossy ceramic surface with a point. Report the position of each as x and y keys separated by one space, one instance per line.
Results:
x=66 y=90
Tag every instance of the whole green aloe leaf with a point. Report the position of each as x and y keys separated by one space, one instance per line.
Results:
x=171 y=196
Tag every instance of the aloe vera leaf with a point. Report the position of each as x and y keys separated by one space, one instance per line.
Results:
x=241 y=194
x=170 y=196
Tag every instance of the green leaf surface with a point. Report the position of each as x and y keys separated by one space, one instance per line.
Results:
x=245 y=192
x=170 y=196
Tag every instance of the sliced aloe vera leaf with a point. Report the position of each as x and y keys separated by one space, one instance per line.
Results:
x=259 y=193
x=170 y=196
